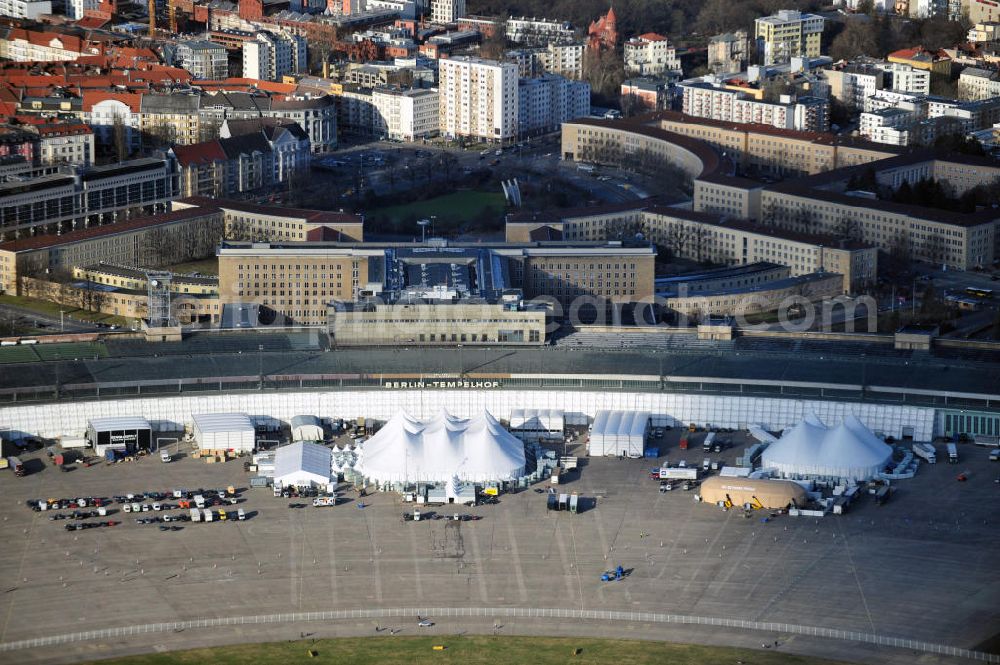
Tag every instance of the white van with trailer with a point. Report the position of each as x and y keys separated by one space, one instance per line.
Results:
x=952 y=453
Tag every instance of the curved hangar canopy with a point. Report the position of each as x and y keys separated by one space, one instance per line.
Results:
x=811 y=449
x=409 y=450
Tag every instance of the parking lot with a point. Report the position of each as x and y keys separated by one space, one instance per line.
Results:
x=922 y=566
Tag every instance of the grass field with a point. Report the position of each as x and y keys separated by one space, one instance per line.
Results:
x=469 y=650
x=52 y=309
x=451 y=210
x=209 y=266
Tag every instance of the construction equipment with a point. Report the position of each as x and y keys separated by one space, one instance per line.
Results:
x=728 y=503
x=755 y=503
x=616 y=575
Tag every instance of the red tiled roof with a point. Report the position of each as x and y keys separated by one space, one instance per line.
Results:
x=199 y=153
x=45 y=241
x=63 y=129
x=91 y=97
x=653 y=37
x=93 y=22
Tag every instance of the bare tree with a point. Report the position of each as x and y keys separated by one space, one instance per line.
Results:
x=119 y=138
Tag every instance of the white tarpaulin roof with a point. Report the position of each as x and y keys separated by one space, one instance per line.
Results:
x=549 y=420
x=476 y=449
x=618 y=432
x=222 y=422
x=849 y=451
x=117 y=423
x=301 y=463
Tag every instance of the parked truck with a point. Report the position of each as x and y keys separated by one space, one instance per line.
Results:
x=952 y=453
x=15 y=464
x=678 y=473
x=708 y=442
x=926 y=452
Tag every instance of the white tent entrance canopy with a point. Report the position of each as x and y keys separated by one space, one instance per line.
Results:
x=849 y=451
x=619 y=433
x=408 y=450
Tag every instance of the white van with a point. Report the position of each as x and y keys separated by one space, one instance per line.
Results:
x=241 y=515
x=165 y=456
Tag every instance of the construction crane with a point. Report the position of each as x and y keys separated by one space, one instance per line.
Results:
x=152 y=19
x=172 y=16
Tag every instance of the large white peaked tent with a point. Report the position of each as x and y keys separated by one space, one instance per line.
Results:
x=849 y=451
x=619 y=433
x=409 y=450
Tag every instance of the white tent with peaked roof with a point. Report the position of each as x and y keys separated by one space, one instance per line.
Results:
x=442 y=449
x=849 y=451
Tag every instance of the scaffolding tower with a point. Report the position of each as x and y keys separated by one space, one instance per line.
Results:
x=158 y=304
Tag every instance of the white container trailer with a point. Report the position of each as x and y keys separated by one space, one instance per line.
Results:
x=926 y=452
x=952 y=453
x=68 y=442
x=224 y=431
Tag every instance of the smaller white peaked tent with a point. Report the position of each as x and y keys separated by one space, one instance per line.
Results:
x=849 y=451
x=618 y=433
x=302 y=464
x=441 y=449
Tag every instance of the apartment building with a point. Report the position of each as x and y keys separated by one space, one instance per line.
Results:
x=104 y=111
x=538 y=31
x=315 y=114
x=205 y=60
x=564 y=59
x=170 y=119
x=478 y=99
x=299 y=280
x=29 y=9
x=64 y=143
x=853 y=83
x=710 y=97
x=149 y=241
x=447 y=11
x=270 y=56
x=728 y=52
x=650 y=54
x=250 y=156
x=935 y=62
x=405 y=115
x=975 y=83
x=23 y=45
x=59 y=203
x=787 y=34
x=544 y=103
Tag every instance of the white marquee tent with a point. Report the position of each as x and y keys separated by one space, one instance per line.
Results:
x=535 y=424
x=302 y=464
x=811 y=449
x=224 y=431
x=476 y=449
x=619 y=433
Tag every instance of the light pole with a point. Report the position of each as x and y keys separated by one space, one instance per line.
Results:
x=461 y=363
x=260 y=365
x=62 y=322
